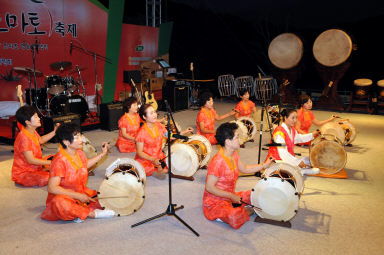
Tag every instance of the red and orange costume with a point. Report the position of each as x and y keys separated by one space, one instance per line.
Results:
x=273 y=151
x=245 y=109
x=305 y=119
x=132 y=126
x=22 y=172
x=207 y=116
x=215 y=207
x=152 y=145
x=73 y=177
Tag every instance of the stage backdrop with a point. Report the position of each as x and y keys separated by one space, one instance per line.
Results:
x=53 y=25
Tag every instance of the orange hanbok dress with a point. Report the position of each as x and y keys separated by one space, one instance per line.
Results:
x=22 y=172
x=245 y=109
x=132 y=127
x=73 y=177
x=208 y=118
x=305 y=119
x=152 y=145
x=215 y=207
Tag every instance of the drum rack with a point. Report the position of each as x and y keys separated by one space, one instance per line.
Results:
x=286 y=224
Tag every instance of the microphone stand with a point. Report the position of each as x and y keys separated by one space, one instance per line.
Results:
x=34 y=49
x=171 y=209
x=95 y=57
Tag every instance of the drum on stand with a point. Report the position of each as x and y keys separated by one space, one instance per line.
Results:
x=363 y=88
x=188 y=157
x=54 y=84
x=39 y=97
x=327 y=153
x=77 y=104
x=250 y=124
x=122 y=190
x=244 y=83
x=285 y=51
x=59 y=105
x=226 y=85
x=380 y=90
x=265 y=88
x=278 y=192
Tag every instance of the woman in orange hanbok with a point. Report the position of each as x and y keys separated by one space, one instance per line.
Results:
x=129 y=125
x=305 y=117
x=205 y=121
x=68 y=196
x=245 y=107
x=28 y=164
x=220 y=201
x=149 y=140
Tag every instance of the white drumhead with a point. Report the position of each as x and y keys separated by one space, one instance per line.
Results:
x=362 y=82
x=285 y=51
x=88 y=149
x=127 y=161
x=243 y=131
x=350 y=133
x=277 y=199
x=122 y=192
x=333 y=128
x=185 y=161
x=250 y=124
x=293 y=171
x=207 y=145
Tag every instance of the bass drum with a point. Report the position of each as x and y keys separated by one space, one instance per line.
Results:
x=327 y=153
x=77 y=104
x=123 y=190
x=285 y=51
x=332 y=47
x=278 y=192
x=59 y=105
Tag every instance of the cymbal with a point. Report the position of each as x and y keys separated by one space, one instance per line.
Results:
x=61 y=65
x=80 y=68
x=27 y=70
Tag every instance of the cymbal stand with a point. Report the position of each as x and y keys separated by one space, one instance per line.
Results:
x=171 y=209
x=95 y=57
x=82 y=83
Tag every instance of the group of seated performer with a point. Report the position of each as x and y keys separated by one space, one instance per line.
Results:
x=286 y=135
x=245 y=107
x=68 y=196
x=305 y=117
x=149 y=141
x=28 y=164
x=222 y=175
x=205 y=122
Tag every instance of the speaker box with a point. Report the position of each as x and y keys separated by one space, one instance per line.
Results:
x=177 y=95
x=110 y=114
x=50 y=122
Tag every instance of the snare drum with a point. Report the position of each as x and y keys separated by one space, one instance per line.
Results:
x=54 y=84
x=226 y=85
x=244 y=83
x=250 y=124
x=285 y=51
x=278 y=192
x=332 y=47
x=265 y=87
x=122 y=190
x=362 y=88
x=188 y=157
x=327 y=153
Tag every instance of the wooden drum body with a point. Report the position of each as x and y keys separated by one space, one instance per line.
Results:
x=226 y=85
x=244 y=83
x=380 y=90
x=343 y=129
x=363 y=88
x=327 y=153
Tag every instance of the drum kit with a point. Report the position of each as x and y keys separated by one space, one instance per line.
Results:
x=61 y=94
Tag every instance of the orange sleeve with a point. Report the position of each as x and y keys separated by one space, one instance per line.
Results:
x=58 y=167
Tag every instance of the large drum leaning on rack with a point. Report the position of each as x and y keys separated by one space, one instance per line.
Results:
x=327 y=153
x=285 y=51
x=332 y=47
x=187 y=157
x=265 y=87
x=343 y=129
x=250 y=124
x=226 y=85
x=278 y=192
x=244 y=83
x=122 y=190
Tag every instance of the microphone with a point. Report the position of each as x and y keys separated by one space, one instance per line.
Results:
x=36 y=45
x=70 y=49
x=178 y=136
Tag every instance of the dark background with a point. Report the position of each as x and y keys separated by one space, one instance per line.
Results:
x=232 y=37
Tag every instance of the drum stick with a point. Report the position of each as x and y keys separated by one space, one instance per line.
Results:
x=254 y=207
x=111 y=141
x=112 y=197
